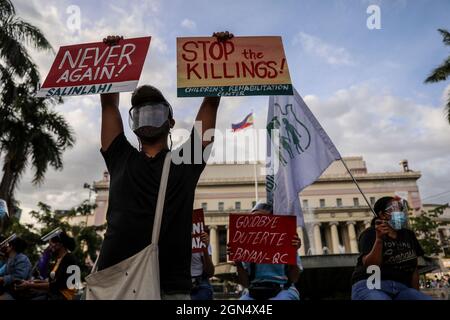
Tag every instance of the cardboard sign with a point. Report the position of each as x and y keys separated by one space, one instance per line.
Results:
x=262 y=238
x=94 y=68
x=198 y=226
x=242 y=66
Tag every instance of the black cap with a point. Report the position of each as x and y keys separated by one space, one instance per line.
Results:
x=18 y=244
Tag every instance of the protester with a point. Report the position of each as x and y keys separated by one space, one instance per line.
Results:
x=135 y=180
x=56 y=287
x=18 y=268
x=388 y=244
x=269 y=281
x=202 y=268
x=40 y=269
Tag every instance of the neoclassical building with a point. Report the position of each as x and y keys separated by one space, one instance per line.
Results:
x=335 y=212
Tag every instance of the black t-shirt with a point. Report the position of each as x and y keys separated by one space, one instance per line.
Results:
x=59 y=281
x=133 y=193
x=399 y=256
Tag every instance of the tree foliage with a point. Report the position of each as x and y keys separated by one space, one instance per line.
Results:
x=442 y=72
x=425 y=225
x=88 y=239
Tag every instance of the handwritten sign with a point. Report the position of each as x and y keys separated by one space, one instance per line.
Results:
x=93 y=68
x=242 y=66
x=198 y=226
x=262 y=238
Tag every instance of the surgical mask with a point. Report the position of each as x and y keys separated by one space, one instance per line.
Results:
x=398 y=220
x=149 y=115
x=398 y=213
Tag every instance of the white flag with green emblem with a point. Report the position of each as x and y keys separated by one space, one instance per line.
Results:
x=298 y=152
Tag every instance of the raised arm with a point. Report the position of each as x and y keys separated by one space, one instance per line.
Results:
x=207 y=116
x=111 y=120
x=208 y=109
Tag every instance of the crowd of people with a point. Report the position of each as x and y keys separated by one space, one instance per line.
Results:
x=387 y=244
x=151 y=202
x=47 y=280
x=437 y=282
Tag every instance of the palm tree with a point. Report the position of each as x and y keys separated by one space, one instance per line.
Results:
x=14 y=35
x=30 y=131
x=442 y=72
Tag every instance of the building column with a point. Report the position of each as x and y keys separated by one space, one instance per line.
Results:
x=213 y=237
x=228 y=234
x=317 y=239
x=334 y=237
x=301 y=251
x=228 y=238
x=367 y=224
x=352 y=236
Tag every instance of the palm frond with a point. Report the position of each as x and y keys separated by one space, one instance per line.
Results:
x=56 y=123
x=447 y=107
x=6 y=9
x=44 y=152
x=16 y=56
x=8 y=88
x=445 y=36
x=440 y=73
x=23 y=31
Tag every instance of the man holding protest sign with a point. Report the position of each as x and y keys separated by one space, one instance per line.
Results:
x=268 y=281
x=135 y=181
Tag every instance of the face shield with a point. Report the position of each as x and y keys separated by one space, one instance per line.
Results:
x=149 y=115
x=398 y=212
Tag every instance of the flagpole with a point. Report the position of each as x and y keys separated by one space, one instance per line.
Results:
x=255 y=150
x=357 y=185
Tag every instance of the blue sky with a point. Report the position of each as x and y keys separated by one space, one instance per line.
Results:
x=364 y=86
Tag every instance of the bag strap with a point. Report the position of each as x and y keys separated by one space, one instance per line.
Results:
x=159 y=204
x=161 y=198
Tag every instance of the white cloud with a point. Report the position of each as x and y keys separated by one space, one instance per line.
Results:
x=331 y=54
x=385 y=129
x=188 y=24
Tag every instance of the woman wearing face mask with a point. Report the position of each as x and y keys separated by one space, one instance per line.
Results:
x=389 y=245
x=55 y=287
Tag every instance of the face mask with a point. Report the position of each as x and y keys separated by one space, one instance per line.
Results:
x=150 y=134
x=398 y=212
x=149 y=115
x=398 y=220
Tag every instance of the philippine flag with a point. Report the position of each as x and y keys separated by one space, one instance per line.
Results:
x=247 y=122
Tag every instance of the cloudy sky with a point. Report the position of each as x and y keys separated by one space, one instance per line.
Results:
x=364 y=86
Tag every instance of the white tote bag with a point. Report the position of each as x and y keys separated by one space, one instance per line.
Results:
x=137 y=277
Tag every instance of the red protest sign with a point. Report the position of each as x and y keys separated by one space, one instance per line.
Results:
x=198 y=226
x=262 y=238
x=93 y=68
